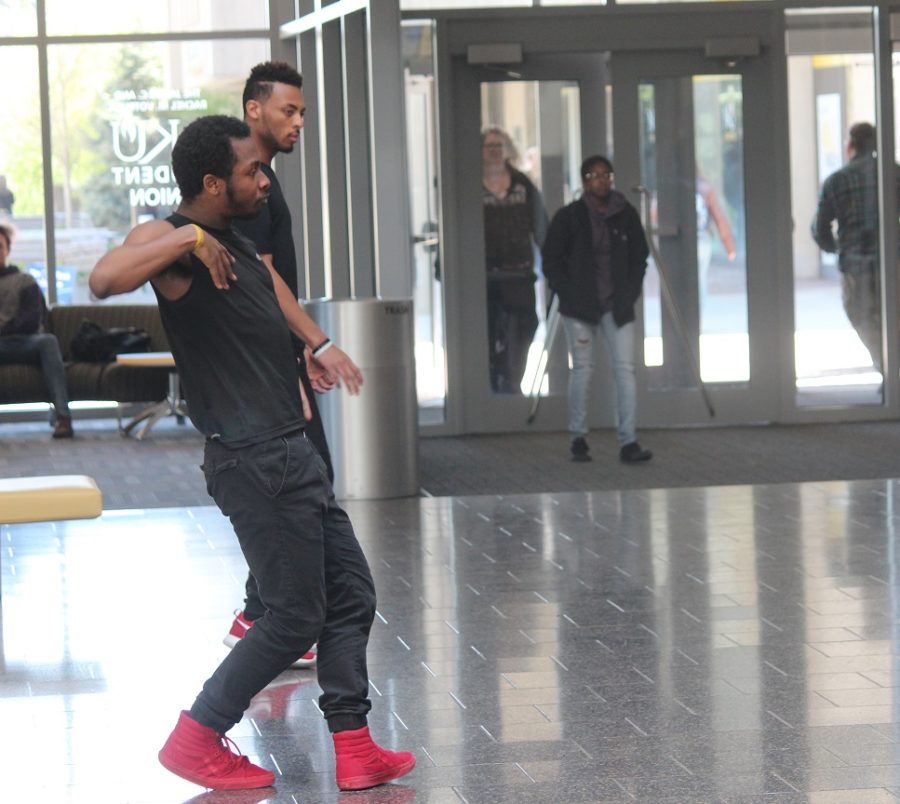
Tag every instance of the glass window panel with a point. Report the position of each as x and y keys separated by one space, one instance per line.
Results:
x=163 y=16
x=895 y=69
x=696 y=206
x=838 y=330
x=538 y=124
x=21 y=164
x=721 y=258
x=18 y=18
x=116 y=110
x=572 y=2
x=421 y=142
x=652 y=294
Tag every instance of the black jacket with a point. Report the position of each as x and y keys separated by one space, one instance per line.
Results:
x=568 y=262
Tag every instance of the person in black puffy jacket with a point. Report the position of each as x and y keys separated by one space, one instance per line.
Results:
x=594 y=258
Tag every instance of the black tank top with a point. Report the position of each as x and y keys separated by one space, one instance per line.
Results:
x=233 y=349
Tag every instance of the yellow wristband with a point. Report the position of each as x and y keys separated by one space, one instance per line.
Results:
x=198 y=241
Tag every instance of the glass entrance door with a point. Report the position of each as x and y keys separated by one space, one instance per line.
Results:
x=838 y=329
x=698 y=227
x=520 y=133
x=681 y=144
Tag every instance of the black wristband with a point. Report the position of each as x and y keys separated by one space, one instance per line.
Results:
x=321 y=347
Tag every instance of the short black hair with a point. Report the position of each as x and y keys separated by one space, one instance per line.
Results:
x=588 y=164
x=204 y=147
x=262 y=76
x=862 y=138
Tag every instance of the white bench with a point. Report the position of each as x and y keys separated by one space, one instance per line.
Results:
x=49 y=499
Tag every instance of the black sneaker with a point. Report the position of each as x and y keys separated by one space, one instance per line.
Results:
x=63 y=428
x=580 y=450
x=634 y=453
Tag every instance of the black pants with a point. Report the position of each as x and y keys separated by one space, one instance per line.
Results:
x=313 y=579
x=315 y=432
x=512 y=322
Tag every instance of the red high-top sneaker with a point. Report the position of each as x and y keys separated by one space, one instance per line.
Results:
x=203 y=756
x=361 y=763
x=241 y=625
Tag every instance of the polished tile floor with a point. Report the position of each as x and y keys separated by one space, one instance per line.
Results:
x=727 y=644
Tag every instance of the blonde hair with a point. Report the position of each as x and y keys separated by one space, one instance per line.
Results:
x=512 y=153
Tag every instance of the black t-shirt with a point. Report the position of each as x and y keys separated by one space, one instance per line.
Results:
x=233 y=349
x=271 y=232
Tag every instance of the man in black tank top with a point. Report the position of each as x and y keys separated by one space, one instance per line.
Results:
x=273 y=109
x=229 y=319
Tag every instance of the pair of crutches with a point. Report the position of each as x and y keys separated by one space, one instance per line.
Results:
x=668 y=297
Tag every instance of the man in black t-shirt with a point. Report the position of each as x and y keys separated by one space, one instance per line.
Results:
x=229 y=318
x=273 y=109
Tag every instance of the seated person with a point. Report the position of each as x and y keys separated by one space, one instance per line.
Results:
x=23 y=311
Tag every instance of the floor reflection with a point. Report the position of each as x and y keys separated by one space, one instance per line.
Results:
x=712 y=644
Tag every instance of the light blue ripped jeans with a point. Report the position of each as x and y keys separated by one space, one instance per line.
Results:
x=582 y=338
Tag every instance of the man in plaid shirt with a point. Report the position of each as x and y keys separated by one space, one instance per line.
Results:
x=850 y=197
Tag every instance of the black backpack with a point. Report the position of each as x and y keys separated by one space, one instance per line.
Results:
x=93 y=344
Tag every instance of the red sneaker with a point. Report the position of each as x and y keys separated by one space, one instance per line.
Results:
x=238 y=630
x=241 y=625
x=362 y=763
x=203 y=756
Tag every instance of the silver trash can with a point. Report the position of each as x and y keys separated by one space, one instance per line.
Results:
x=373 y=437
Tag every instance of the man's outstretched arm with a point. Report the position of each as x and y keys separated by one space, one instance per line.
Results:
x=151 y=248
